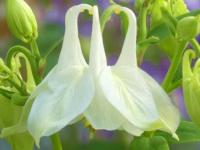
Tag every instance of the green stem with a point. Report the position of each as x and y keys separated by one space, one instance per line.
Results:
x=57 y=145
x=21 y=90
x=35 y=50
x=142 y=32
x=53 y=47
x=174 y=66
x=142 y=23
x=195 y=45
x=111 y=2
x=174 y=86
x=20 y=49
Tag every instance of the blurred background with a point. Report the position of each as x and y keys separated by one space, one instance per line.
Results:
x=50 y=15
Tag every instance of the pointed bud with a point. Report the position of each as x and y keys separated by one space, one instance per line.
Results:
x=21 y=20
x=188 y=28
x=191 y=86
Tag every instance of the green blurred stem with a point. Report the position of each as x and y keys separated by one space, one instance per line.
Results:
x=35 y=50
x=142 y=23
x=55 y=139
x=174 y=86
x=195 y=45
x=19 y=88
x=111 y=2
x=142 y=32
x=174 y=66
x=53 y=47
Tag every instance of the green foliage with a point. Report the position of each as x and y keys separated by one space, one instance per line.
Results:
x=138 y=4
x=9 y=115
x=188 y=28
x=91 y=2
x=149 y=143
x=187 y=132
x=178 y=7
x=191 y=86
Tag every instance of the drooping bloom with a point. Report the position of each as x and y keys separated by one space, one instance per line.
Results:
x=110 y=97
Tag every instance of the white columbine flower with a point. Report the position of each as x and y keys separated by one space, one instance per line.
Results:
x=109 y=97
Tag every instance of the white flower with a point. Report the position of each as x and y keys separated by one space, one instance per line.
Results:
x=109 y=97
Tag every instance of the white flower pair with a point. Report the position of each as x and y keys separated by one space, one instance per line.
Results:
x=110 y=97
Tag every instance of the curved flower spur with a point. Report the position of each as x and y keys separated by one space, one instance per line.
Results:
x=109 y=97
x=125 y=96
x=117 y=97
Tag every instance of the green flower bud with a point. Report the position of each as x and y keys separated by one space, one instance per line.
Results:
x=21 y=20
x=191 y=86
x=188 y=28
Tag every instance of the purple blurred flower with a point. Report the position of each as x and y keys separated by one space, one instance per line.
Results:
x=112 y=60
x=178 y=96
x=193 y=4
x=103 y=3
x=157 y=71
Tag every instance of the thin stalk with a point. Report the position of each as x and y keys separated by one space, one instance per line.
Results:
x=55 y=139
x=174 y=66
x=35 y=50
x=195 y=45
x=53 y=47
x=20 y=49
x=174 y=85
x=142 y=32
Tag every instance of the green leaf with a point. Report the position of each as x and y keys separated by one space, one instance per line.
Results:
x=149 y=143
x=138 y=4
x=21 y=141
x=9 y=115
x=187 y=132
x=91 y=2
x=167 y=41
x=178 y=7
x=188 y=27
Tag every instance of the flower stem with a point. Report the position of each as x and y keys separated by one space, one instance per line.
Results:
x=35 y=50
x=55 y=139
x=53 y=47
x=195 y=45
x=20 y=49
x=174 y=66
x=142 y=32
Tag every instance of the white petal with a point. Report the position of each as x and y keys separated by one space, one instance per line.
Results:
x=131 y=129
x=97 y=53
x=169 y=114
x=71 y=53
x=126 y=90
x=101 y=114
x=128 y=53
x=66 y=95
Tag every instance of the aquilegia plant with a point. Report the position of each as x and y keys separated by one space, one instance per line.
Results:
x=117 y=97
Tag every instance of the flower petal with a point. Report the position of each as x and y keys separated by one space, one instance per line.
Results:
x=102 y=115
x=97 y=52
x=128 y=53
x=71 y=53
x=126 y=90
x=169 y=114
x=131 y=129
x=66 y=95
